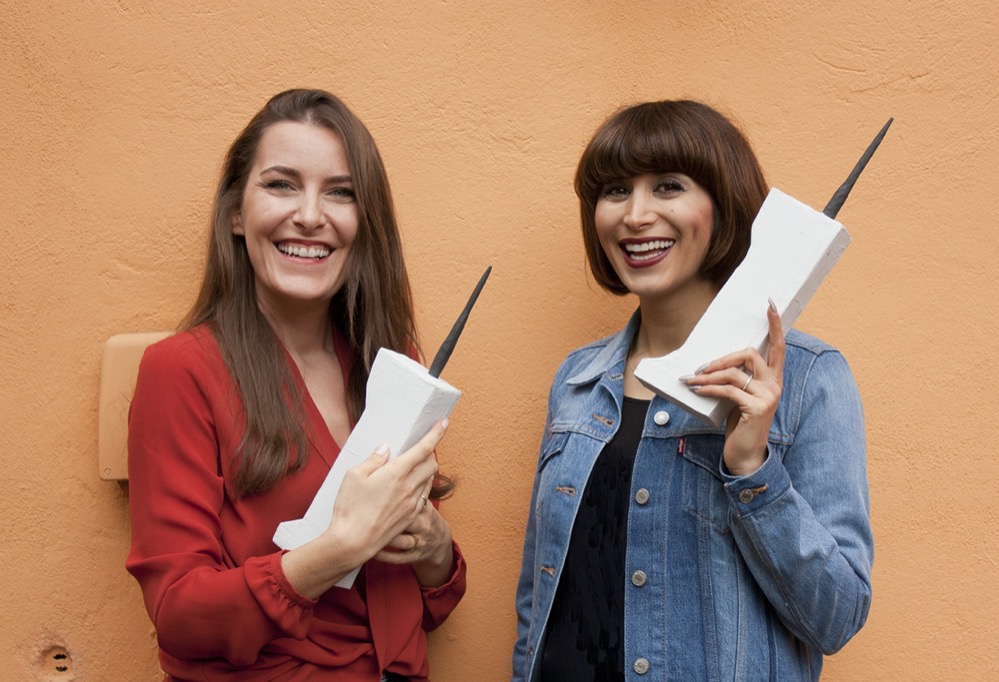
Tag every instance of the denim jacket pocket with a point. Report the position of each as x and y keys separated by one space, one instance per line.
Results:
x=551 y=447
x=703 y=490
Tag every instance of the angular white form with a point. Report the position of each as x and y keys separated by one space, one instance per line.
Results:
x=403 y=402
x=794 y=247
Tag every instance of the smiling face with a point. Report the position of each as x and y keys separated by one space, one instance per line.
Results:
x=298 y=215
x=655 y=230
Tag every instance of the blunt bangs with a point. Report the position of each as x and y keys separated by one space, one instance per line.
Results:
x=647 y=138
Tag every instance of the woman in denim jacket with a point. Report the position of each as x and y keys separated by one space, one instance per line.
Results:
x=658 y=547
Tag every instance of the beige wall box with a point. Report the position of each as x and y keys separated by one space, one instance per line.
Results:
x=122 y=354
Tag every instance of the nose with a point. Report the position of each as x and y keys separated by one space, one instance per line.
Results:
x=638 y=213
x=310 y=215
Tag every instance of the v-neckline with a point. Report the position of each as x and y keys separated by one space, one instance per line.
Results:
x=327 y=446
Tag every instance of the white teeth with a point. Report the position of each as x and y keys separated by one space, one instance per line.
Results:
x=314 y=252
x=658 y=245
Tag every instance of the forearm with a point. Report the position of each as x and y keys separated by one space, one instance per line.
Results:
x=815 y=572
x=525 y=592
x=317 y=566
x=441 y=600
x=193 y=590
x=193 y=610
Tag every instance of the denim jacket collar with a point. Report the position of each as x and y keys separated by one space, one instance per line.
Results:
x=615 y=353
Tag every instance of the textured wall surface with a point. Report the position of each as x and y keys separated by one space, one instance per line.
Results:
x=116 y=114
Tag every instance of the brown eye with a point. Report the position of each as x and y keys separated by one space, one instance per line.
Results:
x=614 y=190
x=669 y=185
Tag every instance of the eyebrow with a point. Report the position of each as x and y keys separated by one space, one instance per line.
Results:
x=333 y=179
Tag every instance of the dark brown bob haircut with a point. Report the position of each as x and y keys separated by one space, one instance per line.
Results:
x=675 y=136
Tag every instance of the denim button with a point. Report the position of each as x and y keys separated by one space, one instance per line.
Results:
x=661 y=418
x=642 y=496
x=746 y=496
x=641 y=666
x=638 y=578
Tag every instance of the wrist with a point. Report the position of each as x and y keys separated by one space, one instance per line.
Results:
x=316 y=566
x=746 y=466
x=435 y=570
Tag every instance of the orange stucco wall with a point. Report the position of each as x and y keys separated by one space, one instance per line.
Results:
x=116 y=113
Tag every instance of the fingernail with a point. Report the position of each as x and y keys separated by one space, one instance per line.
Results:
x=702 y=368
x=773 y=306
x=382 y=449
x=686 y=378
x=444 y=423
x=695 y=389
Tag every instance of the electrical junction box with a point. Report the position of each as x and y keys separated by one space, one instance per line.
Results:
x=119 y=369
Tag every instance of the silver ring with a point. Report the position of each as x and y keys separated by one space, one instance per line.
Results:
x=424 y=498
x=748 y=382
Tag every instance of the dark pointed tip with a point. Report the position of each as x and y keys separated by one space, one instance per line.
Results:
x=839 y=198
x=444 y=354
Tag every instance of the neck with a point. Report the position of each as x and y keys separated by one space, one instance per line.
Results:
x=666 y=323
x=304 y=330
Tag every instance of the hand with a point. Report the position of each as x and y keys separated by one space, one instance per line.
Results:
x=754 y=385
x=426 y=544
x=378 y=499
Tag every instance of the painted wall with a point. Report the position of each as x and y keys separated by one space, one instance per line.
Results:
x=117 y=113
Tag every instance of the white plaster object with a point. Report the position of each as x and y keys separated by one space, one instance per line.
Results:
x=403 y=402
x=793 y=248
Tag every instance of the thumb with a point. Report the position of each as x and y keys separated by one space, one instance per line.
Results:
x=374 y=461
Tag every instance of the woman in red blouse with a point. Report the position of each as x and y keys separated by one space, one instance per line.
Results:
x=237 y=419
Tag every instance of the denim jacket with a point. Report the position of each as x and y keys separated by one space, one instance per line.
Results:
x=727 y=578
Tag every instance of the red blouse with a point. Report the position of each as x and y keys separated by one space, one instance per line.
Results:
x=210 y=576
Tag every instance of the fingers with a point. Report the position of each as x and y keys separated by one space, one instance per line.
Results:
x=420 y=462
x=410 y=544
x=425 y=542
x=754 y=385
x=403 y=484
x=745 y=371
x=404 y=542
x=415 y=467
x=775 y=357
x=424 y=448
x=733 y=383
x=389 y=556
x=427 y=488
x=374 y=461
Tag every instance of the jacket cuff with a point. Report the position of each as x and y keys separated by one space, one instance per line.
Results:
x=759 y=489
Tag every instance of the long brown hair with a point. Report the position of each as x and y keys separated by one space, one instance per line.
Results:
x=675 y=136
x=373 y=309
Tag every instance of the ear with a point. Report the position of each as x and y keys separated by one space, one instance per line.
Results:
x=237 y=224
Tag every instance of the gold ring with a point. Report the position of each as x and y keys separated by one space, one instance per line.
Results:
x=748 y=382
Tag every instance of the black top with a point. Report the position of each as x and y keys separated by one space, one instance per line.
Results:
x=584 y=639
